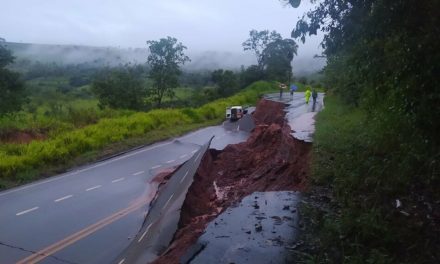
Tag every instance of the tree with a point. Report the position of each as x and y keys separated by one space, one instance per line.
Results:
x=250 y=74
x=277 y=58
x=12 y=90
x=226 y=80
x=383 y=58
x=258 y=41
x=166 y=56
x=120 y=88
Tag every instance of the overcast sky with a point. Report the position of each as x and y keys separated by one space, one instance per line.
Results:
x=201 y=25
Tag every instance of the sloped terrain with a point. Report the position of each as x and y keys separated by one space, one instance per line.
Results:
x=270 y=160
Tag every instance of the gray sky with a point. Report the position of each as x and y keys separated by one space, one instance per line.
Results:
x=220 y=25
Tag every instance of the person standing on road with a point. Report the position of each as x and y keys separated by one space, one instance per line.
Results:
x=314 y=96
x=307 y=95
x=282 y=86
x=292 y=89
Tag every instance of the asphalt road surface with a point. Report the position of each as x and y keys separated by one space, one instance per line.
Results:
x=162 y=220
x=91 y=214
x=256 y=231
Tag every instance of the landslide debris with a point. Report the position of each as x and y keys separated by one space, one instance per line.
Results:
x=270 y=160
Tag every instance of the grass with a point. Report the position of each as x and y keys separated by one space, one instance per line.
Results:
x=362 y=174
x=20 y=163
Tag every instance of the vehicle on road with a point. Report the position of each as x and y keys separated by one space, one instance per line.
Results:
x=234 y=113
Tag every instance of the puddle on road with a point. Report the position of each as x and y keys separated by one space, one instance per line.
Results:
x=257 y=230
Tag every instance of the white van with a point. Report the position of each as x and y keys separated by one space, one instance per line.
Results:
x=234 y=113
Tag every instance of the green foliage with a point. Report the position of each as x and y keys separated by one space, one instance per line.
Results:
x=12 y=90
x=226 y=80
x=277 y=58
x=274 y=56
x=166 y=56
x=250 y=74
x=120 y=89
x=6 y=57
x=258 y=41
x=368 y=167
x=20 y=159
x=382 y=60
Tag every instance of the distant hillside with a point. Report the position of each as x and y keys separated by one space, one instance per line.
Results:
x=113 y=56
x=75 y=54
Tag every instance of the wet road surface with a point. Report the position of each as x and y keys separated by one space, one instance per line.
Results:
x=91 y=214
x=299 y=114
x=162 y=220
x=257 y=230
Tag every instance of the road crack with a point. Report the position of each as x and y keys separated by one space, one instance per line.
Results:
x=34 y=252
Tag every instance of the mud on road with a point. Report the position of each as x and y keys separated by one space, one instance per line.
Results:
x=270 y=160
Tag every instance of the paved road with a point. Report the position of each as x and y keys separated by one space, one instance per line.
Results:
x=299 y=114
x=89 y=215
x=256 y=230
x=162 y=220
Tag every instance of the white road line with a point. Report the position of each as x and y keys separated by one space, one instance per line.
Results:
x=183 y=178
x=118 y=180
x=197 y=157
x=183 y=156
x=170 y=161
x=155 y=167
x=63 y=198
x=27 y=211
x=169 y=199
x=195 y=133
x=122 y=261
x=93 y=188
x=137 y=173
x=83 y=170
x=146 y=231
x=194 y=151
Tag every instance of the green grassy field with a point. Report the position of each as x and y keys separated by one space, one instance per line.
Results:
x=20 y=163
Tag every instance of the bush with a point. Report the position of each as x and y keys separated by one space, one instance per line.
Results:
x=368 y=165
x=15 y=159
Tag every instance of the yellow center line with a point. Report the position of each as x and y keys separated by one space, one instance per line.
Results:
x=42 y=254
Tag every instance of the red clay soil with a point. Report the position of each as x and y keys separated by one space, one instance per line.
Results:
x=20 y=137
x=270 y=160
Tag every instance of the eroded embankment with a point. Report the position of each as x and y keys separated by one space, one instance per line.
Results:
x=270 y=160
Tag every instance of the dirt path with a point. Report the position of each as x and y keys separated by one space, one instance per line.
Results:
x=270 y=160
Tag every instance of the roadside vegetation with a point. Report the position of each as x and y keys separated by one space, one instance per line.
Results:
x=375 y=194
x=61 y=115
x=25 y=162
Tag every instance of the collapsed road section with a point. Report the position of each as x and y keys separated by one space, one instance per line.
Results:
x=163 y=216
x=270 y=160
x=214 y=181
x=257 y=230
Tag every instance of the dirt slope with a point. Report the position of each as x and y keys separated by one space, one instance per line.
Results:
x=270 y=160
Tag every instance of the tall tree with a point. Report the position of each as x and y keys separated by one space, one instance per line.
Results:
x=277 y=58
x=166 y=56
x=383 y=57
x=12 y=90
x=258 y=41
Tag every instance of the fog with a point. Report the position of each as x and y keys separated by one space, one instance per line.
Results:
x=212 y=30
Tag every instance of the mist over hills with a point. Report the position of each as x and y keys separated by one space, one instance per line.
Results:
x=114 y=56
